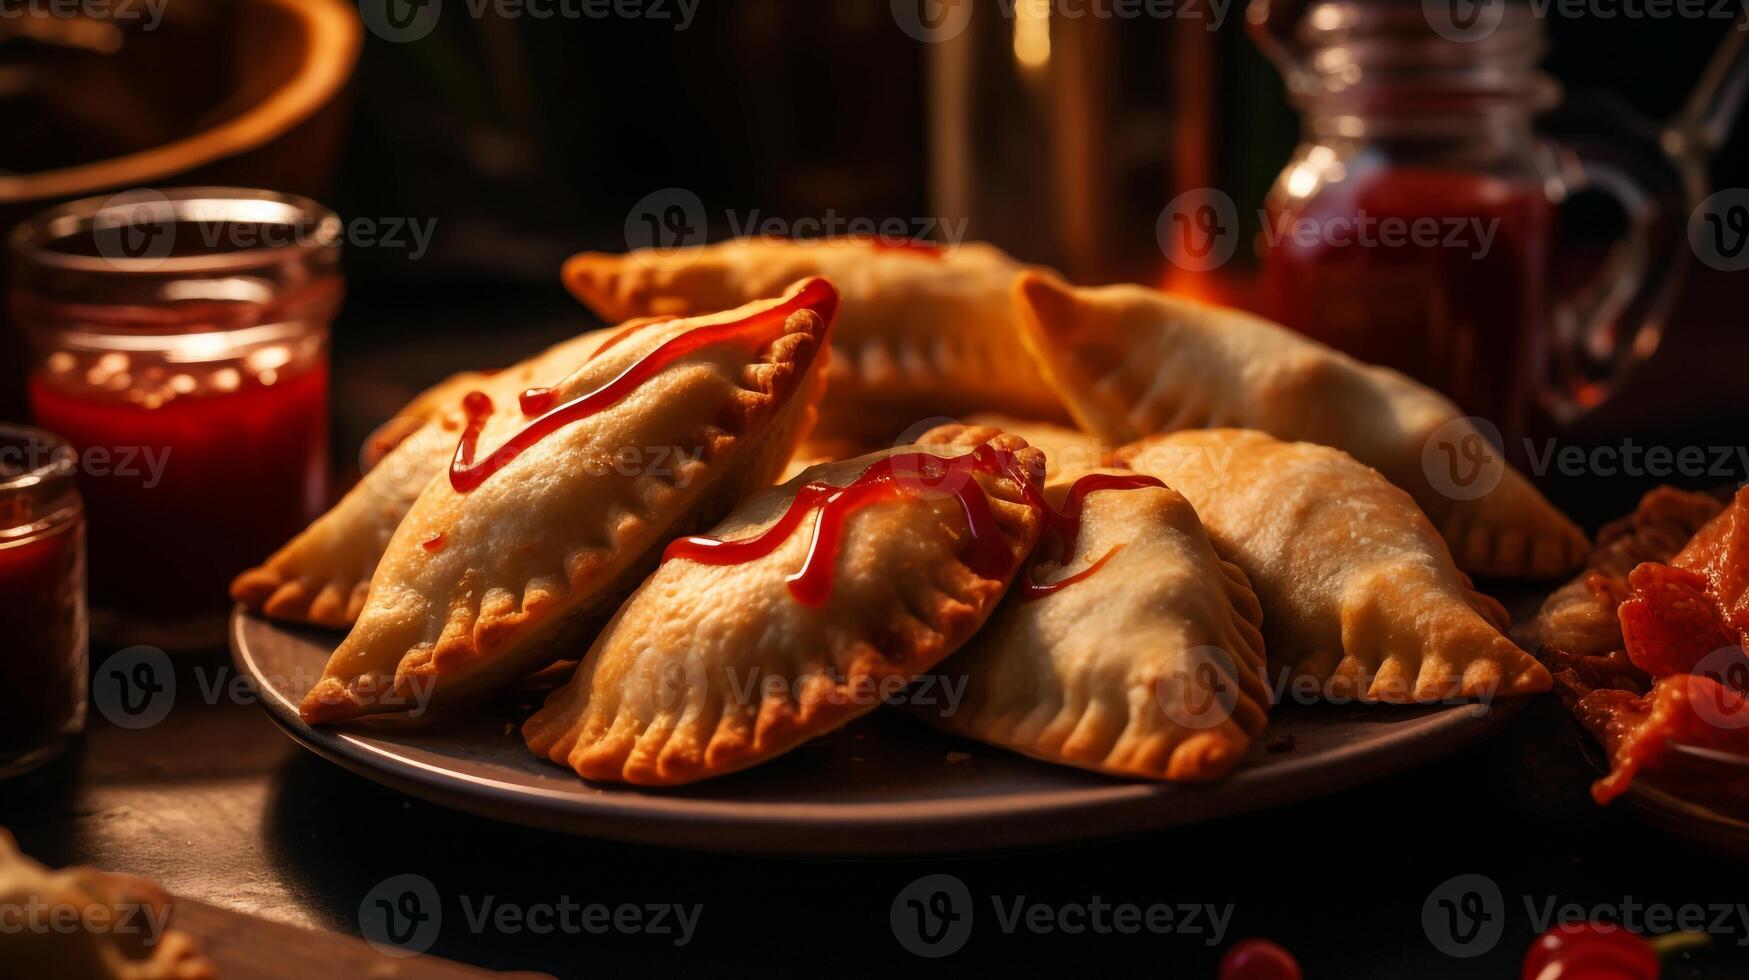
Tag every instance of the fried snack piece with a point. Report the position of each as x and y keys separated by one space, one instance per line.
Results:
x=926 y=332
x=550 y=516
x=1131 y=362
x=1360 y=596
x=89 y=925
x=1134 y=651
x=807 y=607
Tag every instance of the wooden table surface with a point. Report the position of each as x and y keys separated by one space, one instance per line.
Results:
x=219 y=806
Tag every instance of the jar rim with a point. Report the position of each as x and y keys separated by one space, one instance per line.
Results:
x=49 y=460
x=34 y=239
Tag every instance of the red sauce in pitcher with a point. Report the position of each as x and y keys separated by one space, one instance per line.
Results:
x=1439 y=274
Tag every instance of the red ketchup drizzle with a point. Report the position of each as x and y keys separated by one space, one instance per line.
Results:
x=763 y=326
x=897 y=477
x=535 y=401
x=1065 y=525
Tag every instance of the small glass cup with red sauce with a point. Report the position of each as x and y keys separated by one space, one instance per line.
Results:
x=42 y=598
x=180 y=343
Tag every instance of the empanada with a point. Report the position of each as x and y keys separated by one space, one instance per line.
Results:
x=1129 y=648
x=925 y=332
x=1067 y=451
x=85 y=924
x=544 y=522
x=1360 y=596
x=321 y=576
x=828 y=601
x=1131 y=362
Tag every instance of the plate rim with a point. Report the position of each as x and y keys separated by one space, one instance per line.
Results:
x=877 y=826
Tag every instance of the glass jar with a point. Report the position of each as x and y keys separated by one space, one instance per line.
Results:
x=180 y=345
x=42 y=598
x=1415 y=225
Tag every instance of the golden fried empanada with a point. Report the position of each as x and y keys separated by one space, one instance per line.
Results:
x=1130 y=648
x=321 y=576
x=1131 y=362
x=1360 y=596
x=551 y=514
x=805 y=608
x=925 y=332
x=84 y=924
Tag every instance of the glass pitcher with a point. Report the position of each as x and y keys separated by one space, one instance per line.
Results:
x=1415 y=225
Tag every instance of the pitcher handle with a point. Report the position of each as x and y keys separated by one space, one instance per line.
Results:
x=1609 y=326
x=1613 y=322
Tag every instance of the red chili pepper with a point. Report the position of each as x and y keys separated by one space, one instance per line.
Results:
x=1258 y=959
x=1590 y=951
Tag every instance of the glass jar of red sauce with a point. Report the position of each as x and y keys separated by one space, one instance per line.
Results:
x=180 y=346
x=1415 y=225
x=42 y=598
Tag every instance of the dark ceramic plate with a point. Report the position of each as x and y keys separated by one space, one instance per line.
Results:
x=883 y=785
